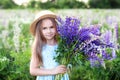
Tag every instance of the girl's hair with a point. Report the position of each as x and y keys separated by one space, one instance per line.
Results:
x=39 y=40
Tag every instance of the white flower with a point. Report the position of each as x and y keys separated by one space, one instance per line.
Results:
x=16 y=31
x=3 y=59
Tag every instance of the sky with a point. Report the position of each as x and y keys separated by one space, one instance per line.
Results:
x=19 y=2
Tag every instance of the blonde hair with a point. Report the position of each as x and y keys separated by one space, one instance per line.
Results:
x=39 y=39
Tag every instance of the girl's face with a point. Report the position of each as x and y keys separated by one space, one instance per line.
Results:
x=48 y=29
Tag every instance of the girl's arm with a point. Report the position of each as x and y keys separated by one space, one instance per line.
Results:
x=35 y=70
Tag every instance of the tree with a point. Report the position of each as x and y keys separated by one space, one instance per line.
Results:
x=115 y=3
x=104 y=3
x=99 y=3
x=7 y=4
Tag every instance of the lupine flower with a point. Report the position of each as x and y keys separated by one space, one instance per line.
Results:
x=105 y=55
x=84 y=35
x=16 y=32
x=116 y=31
x=111 y=19
x=68 y=29
x=95 y=29
x=107 y=37
x=87 y=40
x=113 y=53
x=93 y=45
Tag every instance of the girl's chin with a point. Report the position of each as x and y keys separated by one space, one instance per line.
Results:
x=49 y=38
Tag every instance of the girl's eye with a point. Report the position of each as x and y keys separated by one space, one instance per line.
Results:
x=44 y=28
x=51 y=27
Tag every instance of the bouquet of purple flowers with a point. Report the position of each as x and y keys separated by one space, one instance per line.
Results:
x=78 y=43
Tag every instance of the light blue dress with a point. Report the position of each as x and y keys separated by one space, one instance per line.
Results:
x=48 y=54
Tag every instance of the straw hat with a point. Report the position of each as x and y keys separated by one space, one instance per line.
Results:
x=40 y=15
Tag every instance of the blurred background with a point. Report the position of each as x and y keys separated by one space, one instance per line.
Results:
x=59 y=4
x=15 y=38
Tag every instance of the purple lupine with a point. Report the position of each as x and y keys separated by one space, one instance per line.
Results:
x=84 y=34
x=87 y=33
x=116 y=31
x=95 y=29
x=107 y=37
x=113 y=53
x=59 y=20
x=111 y=19
x=91 y=46
x=98 y=42
x=105 y=55
x=117 y=36
x=68 y=29
x=86 y=40
x=94 y=60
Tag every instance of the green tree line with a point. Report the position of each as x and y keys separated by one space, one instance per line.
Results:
x=62 y=4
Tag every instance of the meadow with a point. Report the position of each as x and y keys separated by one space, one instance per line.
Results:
x=16 y=40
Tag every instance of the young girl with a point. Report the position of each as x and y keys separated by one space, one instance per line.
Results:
x=42 y=62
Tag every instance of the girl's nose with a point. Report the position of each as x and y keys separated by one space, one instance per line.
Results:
x=49 y=30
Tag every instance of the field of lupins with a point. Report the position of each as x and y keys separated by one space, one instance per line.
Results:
x=15 y=43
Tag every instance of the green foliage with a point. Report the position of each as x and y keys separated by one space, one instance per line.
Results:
x=62 y=4
x=20 y=67
x=15 y=65
x=70 y=4
x=85 y=72
x=114 y=3
x=4 y=61
x=66 y=54
x=119 y=34
x=57 y=4
x=25 y=37
x=104 y=3
x=95 y=22
x=7 y=4
x=32 y=4
x=4 y=53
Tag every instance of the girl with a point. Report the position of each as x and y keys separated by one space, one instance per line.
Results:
x=44 y=30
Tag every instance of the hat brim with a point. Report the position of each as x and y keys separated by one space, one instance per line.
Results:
x=33 y=25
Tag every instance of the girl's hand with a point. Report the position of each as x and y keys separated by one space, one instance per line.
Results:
x=61 y=69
